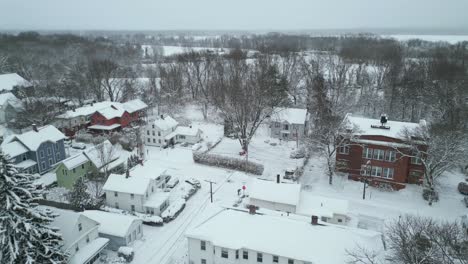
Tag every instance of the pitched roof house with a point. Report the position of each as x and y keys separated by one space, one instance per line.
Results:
x=275 y=196
x=10 y=81
x=288 y=123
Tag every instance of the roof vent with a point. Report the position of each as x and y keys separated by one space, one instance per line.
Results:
x=162 y=117
x=34 y=127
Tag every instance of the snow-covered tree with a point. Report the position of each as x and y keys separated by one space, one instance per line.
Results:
x=79 y=196
x=25 y=232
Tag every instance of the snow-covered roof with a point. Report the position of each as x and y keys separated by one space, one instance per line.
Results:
x=282 y=236
x=275 y=192
x=147 y=172
x=103 y=127
x=88 y=251
x=111 y=223
x=184 y=131
x=14 y=149
x=10 y=99
x=119 y=183
x=134 y=105
x=102 y=154
x=290 y=115
x=112 y=111
x=67 y=222
x=156 y=199
x=9 y=80
x=363 y=126
x=75 y=161
x=321 y=206
x=32 y=139
x=86 y=110
x=164 y=123
x=26 y=164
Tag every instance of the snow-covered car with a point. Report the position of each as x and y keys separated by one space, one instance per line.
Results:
x=173 y=210
x=188 y=191
x=67 y=141
x=78 y=145
x=172 y=182
x=126 y=253
x=167 y=178
x=194 y=182
x=151 y=220
x=298 y=154
x=289 y=173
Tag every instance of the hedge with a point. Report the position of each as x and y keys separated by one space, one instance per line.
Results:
x=228 y=163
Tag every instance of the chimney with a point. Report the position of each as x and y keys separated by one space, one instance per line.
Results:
x=252 y=209
x=314 y=220
x=383 y=119
x=162 y=117
x=127 y=174
x=92 y=103
x=190 y=126
x=277 y=178
x=34 y=127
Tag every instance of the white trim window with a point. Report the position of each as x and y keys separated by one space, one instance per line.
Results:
x=388 y=173
x=379 y=154
x=376 y=171
x=367 y=153
x=390 y=156
x=365 y=170
x=344 y=149
x=416 y=159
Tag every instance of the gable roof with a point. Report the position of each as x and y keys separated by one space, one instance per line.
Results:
x=112 y=111
x=14 y=149
x=32 y=139
x=9 y=80
x=110 y=223
x=282 y=236
x=322 y=206
x=164 y=123
x=102 y=154
x=75 y=161
x=134 y=105
x=275 y=192
x=290 y=115
x=9 y=98
x=363 y=126
x=86 y=110
x=119 y=183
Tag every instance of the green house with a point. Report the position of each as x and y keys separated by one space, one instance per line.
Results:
x=69 y=170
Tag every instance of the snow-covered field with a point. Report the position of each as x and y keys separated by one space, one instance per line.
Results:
x=452 y=39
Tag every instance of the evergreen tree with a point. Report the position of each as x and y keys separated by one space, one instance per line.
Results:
x=79 y=196
x=25 y=232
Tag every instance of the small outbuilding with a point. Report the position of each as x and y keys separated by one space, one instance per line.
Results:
x=275 y=196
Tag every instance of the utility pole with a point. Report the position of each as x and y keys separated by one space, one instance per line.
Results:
x=211 y=189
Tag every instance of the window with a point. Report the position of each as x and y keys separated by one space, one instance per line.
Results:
x=43 y=165
x=159 y=133
x=245 y=254
x=376 y=171
x=139 y=229
x=275 y=259
x=277 y=124
x=388 y=173
x=49 y=151
x=416 y=159
x=159 y=141
x=390 y=156
x=286 y=127
x=57 y=156
x=182 y=137
x=259 y=257
x=290 y=261
x=56 y=146
x=82 y=166
x=367 y=153
x=365 y=170
x=203 y=245
x=87 y=239
x=74 y=170
x=41 y=153
x=340 y=220
x=237 y=254
x=149 y=140
x=133 y=208
x=152 y=189
x=224 y=253
x=203 y=261
x=147 y=132
x=117 y=205
x=116 y=194
x=344 y=149
x=77 y=248
x=132 y=196
x=51 y=162
x=80 y=227
x=379 y=154
x=24 y=157
x=415 y=175
x=154 y=140
x=153 y=133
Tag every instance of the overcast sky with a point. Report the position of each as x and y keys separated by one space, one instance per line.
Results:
x=233 y=14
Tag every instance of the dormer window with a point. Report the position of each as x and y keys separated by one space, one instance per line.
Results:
x=80 y=227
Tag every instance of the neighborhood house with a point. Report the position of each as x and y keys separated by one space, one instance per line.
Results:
x=288 y=123
x=117 y=116
x=11 y=81
x=10 y=106
x=137 y=190
x=275 y=196
x=80 y=236
x=36 y=151
x=374 y=152
x=121 y=230
x=157 y=130
x=333 y=211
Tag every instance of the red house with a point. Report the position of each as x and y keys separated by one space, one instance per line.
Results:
x=375 y=153
x=117 y=116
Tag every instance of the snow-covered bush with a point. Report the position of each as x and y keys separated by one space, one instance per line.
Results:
x=228 y=163
x=430 y=195
x=173 y=210
x=126 y=253
x=463 y=188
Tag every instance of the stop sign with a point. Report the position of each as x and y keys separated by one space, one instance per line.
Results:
x=243 y=187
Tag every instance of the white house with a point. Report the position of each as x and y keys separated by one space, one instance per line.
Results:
x=121 y=230
x=139 y=190
x=288 y=123
x=9 y=107
x=157 y=130
x=275 y=196
x=183 y=134
x=80 y=236
x=233 y=236
x=9 y=81
x=329 y=210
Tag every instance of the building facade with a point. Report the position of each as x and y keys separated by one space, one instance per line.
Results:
x=157 y=130
x=288 y=123
x=378 y=154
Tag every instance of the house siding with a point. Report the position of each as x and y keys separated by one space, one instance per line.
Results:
x=67 y=178
x=296 y=131
x=48 y=154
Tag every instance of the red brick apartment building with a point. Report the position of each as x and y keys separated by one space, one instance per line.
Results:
x=374 y=153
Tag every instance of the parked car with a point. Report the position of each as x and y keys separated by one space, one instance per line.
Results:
x=173 y=210
x=173 y=182
x=189 y=191
x=67 y=141
x=78 y=145
x=463 y=188
x=168 y=178
x=152 y=220
x=194 y=182
x=289 y=173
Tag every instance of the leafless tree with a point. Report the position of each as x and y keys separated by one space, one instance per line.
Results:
x=105 y=153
